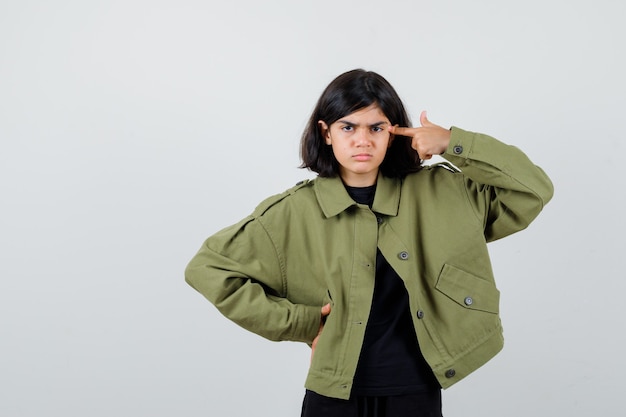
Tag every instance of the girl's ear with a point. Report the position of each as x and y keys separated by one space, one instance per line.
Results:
x=391 y=138
x=325 y=131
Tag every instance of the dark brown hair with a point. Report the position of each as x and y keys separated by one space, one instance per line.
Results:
x=350 y=92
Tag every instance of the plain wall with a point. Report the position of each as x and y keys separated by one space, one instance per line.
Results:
x=132 y=130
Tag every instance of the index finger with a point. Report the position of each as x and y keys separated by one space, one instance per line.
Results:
x=403 y=131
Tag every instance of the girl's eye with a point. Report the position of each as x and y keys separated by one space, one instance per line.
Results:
x=377 y=129
x=347 y=128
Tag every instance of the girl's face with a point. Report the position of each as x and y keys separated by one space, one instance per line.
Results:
x=359 y=141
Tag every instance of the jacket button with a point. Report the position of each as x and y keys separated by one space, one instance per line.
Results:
x=458 y=149
x=379 y=219
x=420 y=314
x=450 y=373
x=468 y=301
x=404 y=255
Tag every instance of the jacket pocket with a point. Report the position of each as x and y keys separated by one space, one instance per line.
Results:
x=325 y=357
x=328 y=298
x=468 y=290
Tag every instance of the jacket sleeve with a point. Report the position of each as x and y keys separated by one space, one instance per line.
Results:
x=239 y=271
x=505 y=188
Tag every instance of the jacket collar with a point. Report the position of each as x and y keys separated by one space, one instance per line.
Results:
x=334 y=199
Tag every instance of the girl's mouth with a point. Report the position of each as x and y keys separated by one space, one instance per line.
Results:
x=362 y=157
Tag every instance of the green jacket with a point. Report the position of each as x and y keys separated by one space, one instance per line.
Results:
x=271 y=272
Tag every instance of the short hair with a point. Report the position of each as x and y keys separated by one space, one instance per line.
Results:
x=352 y=91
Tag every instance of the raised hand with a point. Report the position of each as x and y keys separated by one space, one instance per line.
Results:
x=428 y=140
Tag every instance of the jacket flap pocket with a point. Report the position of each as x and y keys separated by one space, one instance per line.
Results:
x=468 y=290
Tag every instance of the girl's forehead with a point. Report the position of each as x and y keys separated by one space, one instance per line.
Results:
x=369 y=113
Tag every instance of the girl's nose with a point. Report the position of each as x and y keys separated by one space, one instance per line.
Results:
x=363 y=138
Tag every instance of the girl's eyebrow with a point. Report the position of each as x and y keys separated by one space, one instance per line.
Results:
x=379 y=123
x=346 y=122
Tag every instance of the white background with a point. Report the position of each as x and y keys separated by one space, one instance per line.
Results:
x=131 y=130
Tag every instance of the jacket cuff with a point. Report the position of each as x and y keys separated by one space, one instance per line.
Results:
x=460 y=147
x=308 y=320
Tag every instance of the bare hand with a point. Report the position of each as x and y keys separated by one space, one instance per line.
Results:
x=428 y=140
x=325 y=312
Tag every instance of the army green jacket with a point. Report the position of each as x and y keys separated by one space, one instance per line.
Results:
x=311 y=245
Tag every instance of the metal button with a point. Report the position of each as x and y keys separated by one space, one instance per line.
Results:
x=379 y=219
x=450 y=373
x=420 y=314
x=468 y=301
x=458 y=149
x=404 y=255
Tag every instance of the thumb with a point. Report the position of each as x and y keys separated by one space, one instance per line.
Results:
x=424 y=120
x=326 y=310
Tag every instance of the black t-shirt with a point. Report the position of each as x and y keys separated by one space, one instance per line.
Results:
x=390 y=362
